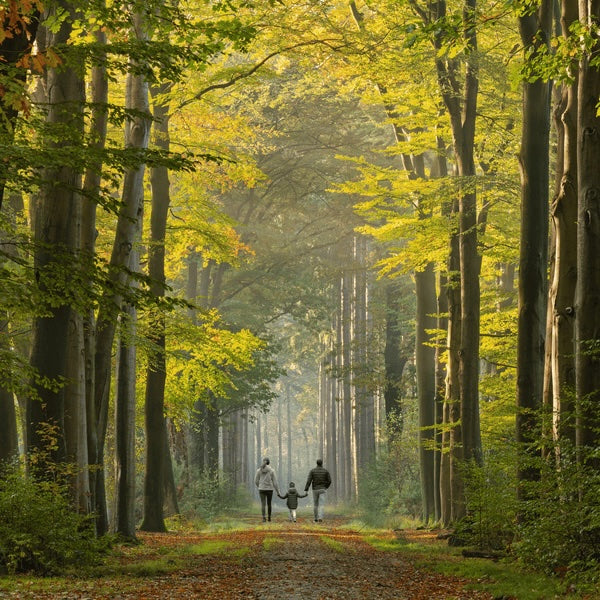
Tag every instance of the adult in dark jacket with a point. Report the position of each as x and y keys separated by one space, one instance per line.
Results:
x=292 y=496
x=320 y=479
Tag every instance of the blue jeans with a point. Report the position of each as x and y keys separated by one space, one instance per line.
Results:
x=319 y=502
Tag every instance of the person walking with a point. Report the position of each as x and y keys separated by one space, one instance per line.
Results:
x=266 y=482
x=292 y=496
x=320 y=479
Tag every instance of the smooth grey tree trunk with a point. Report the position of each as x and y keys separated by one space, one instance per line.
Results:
x=451 y=481
x=347 y=403
x=290 y=473
x=462 y=110
x=394 y=360
x=564 y=277
x=125 y=459
x=159 y=469
x=76 y=416
x=425 y=371
x=587 y=311
x=9 y=432
x=12 y=49
x=91 y=186
x=279 y=467
x=137 y=133
x=56 y=227
x=533 y=284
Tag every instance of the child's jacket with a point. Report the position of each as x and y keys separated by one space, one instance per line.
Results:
x=292 y=496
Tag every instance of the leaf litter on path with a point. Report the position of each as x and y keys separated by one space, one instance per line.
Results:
x=282 y=560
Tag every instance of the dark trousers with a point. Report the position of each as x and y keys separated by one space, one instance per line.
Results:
x=265 y=498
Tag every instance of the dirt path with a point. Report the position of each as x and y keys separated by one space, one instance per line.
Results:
x=281 y=561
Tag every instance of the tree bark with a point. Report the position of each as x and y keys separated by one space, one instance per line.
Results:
x=564 y=277
x=394 y=360
x=425 y=369
x=137 y=132
x=91 y=187
x=453 y=451
x=587 y=295
x=534 y=28
x=290 y=473
x=347 y=404
x=462 y=112
x=12 y=49
x=125 y=426
x=76 y=416
x=56 y=227
x=9 y=438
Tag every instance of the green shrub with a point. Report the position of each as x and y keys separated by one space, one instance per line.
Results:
x=39 y=530
x=386 y=492
x=559 y=531
x=491 y=503
x=210 y=495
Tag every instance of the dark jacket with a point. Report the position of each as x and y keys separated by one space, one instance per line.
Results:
x=292 y=496
x=319 y=477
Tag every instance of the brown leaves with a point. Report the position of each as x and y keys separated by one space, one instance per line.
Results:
x=284 y=560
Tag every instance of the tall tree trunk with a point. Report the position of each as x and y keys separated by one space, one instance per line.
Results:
x=564 y=277
x=137 y=132
x=462 y=114
x=157 y=447
x=339 y=374
x=587 y=313
x=535 y=29
x=125 y=426
x=57 y=222
x=347 y=395
x=91 y=187
x=322 y=401
x=171 y=501
x=211 y=453
x=442 y=494
x=331 y=423
x=8 y=436
x=289 y=434
x=425 y=368
x=156 y=372
x=259 y=444
x=18 y=40
x=279 y=437
x=460 y=99
x=394 y=360
x=453 y=451
x=76 y=416
x=9 y=433
x=365 y=406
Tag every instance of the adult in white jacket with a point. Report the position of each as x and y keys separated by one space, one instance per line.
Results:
x=266 y=482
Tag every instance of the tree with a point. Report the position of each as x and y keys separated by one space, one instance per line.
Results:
x=588 y=242
x=57 y=219
x=20 y=21
x=535 y=33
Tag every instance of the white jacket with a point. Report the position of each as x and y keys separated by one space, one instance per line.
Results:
x=265 y=479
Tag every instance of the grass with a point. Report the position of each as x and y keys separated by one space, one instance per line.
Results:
x=501 y=579
x=270 y=541
x=335 y=545
x=151 y=567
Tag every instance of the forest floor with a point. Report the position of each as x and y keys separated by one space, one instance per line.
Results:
x=303 y=560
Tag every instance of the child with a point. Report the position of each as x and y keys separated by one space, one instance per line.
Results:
x=292 y=496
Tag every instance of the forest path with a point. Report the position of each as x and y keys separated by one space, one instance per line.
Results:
x=278 y=560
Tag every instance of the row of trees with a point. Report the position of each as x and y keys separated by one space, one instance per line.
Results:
x=302 y=160
x=74 y=273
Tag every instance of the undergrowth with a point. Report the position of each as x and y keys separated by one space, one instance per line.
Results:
x=39 y=530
